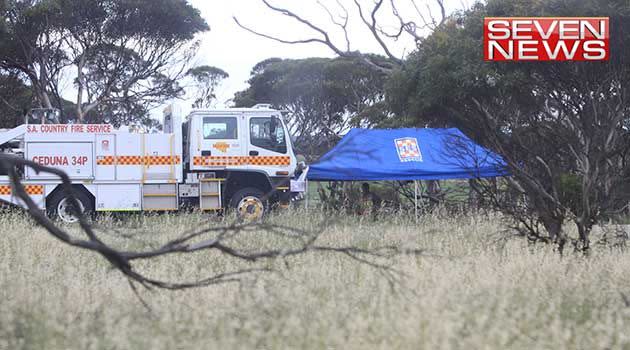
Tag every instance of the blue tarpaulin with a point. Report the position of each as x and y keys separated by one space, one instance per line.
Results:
x=406 y=154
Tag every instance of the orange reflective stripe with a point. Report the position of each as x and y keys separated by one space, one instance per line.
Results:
x=210 y=161
x=220 y=161
x=161 y=160
x=138 y=160
x=284 y=161
x=107 y=160
x=33 y=190
x=237 y=160
x=129 y=160
x=5 y=190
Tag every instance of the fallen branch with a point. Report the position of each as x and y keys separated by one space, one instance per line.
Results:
x=206 y=239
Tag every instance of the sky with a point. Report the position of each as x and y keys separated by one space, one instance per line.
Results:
x=236 y=51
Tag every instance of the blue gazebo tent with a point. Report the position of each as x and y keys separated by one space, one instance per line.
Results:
x=406 y=154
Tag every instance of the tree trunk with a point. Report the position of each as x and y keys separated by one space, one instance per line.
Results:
x=80 y=82
x=42 y=84
x=553 y=225
x=433 y=191
x=45 y=99
x=473 y=194
x=584 y=231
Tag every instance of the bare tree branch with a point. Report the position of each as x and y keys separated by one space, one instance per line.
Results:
x=372 y=26
x=413 y=28
x=431 y=22
x=409 y=27
x=344 y=20
x=325 y=37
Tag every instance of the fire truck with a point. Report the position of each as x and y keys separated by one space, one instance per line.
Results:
x=213 y=160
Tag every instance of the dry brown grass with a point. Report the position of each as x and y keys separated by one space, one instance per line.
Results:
x=467 y=293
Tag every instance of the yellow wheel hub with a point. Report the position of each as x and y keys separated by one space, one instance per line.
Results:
x=250 y=209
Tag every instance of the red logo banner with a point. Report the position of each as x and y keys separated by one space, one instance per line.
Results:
x=546 y=38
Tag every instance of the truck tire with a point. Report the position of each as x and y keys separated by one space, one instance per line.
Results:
x=249 y=204
x=58 y=206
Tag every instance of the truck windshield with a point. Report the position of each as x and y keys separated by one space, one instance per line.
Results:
x=264 y=133
x=220 y=128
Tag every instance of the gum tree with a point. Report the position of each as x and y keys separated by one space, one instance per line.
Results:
x=124 y=56
x=561 y=126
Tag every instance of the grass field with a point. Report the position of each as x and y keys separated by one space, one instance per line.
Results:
x=467 y=292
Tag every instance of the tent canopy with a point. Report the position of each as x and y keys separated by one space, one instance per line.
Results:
x=406 y=154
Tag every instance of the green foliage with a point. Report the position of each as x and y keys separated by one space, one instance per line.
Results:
x=570 y=187
x=545 y=118
x=439 y=80
x=15 y=98
x=206 y=79
x=123 y=51
x=172 y=20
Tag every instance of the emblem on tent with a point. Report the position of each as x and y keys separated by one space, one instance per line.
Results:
x=408 y=149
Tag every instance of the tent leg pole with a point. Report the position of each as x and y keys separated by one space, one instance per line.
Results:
x=306 y=195
x=415 y=199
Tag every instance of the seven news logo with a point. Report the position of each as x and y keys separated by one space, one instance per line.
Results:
x=546 y=39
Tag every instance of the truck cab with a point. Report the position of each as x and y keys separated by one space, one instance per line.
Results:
x=247 y=151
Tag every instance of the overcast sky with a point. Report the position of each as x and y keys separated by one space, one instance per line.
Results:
x=236 y=51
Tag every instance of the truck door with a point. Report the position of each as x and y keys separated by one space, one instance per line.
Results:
x=268 y=147
x=219 y=142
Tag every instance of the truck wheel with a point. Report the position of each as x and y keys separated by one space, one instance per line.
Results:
x=249 y=204
x=59 y=206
